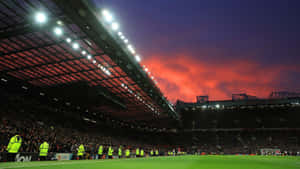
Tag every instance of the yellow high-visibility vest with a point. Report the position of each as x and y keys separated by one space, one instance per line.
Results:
x=44 y=147
x=14 y=144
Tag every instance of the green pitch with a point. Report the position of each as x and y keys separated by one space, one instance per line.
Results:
x=181 y=162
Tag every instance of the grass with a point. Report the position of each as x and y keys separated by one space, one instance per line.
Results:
x=181 y=162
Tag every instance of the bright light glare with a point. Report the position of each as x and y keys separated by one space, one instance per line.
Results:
x=75 y=45
x=115 y=26
x=59 y=22
x=58 y=31
x=126 y=40
x=68 y=40
x=131 y=49
x=137 y=58
x=122 y=37
x=107 y=72
x=89 y=57
x=107 y=15
x=120 y=33
x=40 y=17
x=83 y=52
x=217 y=106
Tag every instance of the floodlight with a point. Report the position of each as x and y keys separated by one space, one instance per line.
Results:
x=137 y=58
x=59 y=22
x=130 y=48
x=68 y=40
x=107 y=72
x=58 y=31
x=115 y=26
x=83 y=52
x=89 y=57
x=75 y=45
x=40 y=17
x=108 y=17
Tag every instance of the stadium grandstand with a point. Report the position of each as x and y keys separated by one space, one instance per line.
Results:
x=244 y=124
x=73 y=94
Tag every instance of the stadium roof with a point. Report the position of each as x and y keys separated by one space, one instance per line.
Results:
x=54 y=45
x=238 y=104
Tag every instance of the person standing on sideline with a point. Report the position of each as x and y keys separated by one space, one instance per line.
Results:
x=120 y=152
x=80 y=152
x=156 y=152
x=100 y=152
x=110 y=152
x=142 y=153
x=13 y=147
x=44 y=147
x=151 y=153
x=137 y=152
x=127 y=153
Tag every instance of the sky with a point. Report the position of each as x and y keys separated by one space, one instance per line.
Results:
x=216 y=47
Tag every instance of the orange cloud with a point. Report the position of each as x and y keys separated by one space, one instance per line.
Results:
x=183 y=77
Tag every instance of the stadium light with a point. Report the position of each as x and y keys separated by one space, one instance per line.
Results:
x=108 y=17
x=58 y=31
x=75 y=46
x=217 y=106
x=115 y=26
x=69 y=40
x=94 y=61
x=146 y=69
x=89 y=57
x=107 y=72
x=59 y=22
x=83 y=52
x=130 y=48
x=137 y=58
x=122 y=37
x=120 y=33
x=40 y=17
x=4 y=80
x=126 y=40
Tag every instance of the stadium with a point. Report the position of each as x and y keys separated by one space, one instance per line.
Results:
x=75 y=94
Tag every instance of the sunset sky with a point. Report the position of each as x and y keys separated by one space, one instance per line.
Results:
x=215 y=47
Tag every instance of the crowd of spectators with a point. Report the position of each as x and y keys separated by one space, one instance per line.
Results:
x=65 y=131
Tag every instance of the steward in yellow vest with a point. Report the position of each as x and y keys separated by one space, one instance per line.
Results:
x=110 y=152
x=100 y=151
x=120 y=152
x=80 y=151
x=13 y=147
x=151 y=152
x=44 y=147
x=142 y=153
x=137 y=152
x=127 y=153
x=156 y=152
